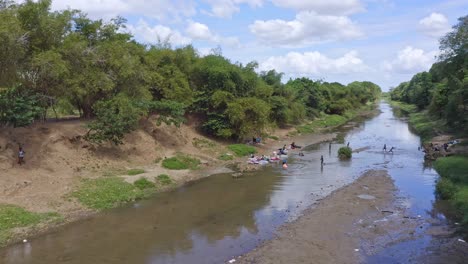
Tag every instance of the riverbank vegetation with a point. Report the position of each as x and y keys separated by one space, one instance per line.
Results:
x=440 y=96
x=13 y=217
x=437 y=102
x=453 y=185
x=65 y=63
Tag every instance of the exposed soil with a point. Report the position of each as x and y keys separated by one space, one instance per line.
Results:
x=57 y=159
x=356 y=221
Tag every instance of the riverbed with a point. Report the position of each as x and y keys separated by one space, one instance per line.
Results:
x=220 y=217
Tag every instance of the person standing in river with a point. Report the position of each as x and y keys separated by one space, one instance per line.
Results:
x=385 y=147
x=347 y=144
x=321 y=160
x=391 y=150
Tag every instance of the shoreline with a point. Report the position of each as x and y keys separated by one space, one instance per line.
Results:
x=350 y=224
x=183 y=178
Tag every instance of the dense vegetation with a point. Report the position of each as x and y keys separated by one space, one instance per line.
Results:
x=345 y=153
x=453 y=185
x=439 y=102
x=65 y=63
x=443 y=91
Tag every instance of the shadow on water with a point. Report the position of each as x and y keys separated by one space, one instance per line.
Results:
x=219 y=217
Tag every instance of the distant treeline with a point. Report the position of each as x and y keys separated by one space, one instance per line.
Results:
x=64 y=62
x=443 y=91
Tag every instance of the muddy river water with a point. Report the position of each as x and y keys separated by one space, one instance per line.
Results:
x=220 y=217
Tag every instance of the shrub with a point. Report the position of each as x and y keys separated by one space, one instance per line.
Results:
x=445 y=189
x=345 y=153
x=181 y=162
x=242 y=150
x=164 y=179
x=133 y=172
x=143 y=183
x=274 y=137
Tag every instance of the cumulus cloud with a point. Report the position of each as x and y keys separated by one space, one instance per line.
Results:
x=411 y=60
x=435 y=25
x=159 y=9
x=154 y=34
x=308 y=27
x=226 y=8
x=314 y=63
x=330 y=7
x=199 y=31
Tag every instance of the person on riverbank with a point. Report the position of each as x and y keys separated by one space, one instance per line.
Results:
x=385 y=147
x=21 y=154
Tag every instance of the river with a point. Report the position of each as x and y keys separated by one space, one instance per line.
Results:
x=220 y=217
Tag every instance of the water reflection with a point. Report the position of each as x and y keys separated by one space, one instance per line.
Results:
x=219 y=217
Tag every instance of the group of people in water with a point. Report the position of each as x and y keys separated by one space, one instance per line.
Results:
x=279 y=155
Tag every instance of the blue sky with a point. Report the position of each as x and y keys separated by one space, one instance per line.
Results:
x=382 y=41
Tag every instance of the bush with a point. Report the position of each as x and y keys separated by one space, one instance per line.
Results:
x=164 y=179
x=242 y=150
x=143 y=183
x=133 y=172
x=345 y=153
x=181 y=162
x=445 y=189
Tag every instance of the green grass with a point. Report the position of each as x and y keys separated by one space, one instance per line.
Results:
x=325 y=121
x=423 y=125
x=454 y=168
x=164 y=179
x=273 y=137
x=226 y=156
x=181 y=162
x=143 y=184
x=104 y=193
x=203 y=143
x=12 y=216
x=453 y=185
x=242 y=150
x=345 y=153
x=133 y=172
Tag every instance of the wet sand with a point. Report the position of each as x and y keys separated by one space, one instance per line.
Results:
x=337 y=228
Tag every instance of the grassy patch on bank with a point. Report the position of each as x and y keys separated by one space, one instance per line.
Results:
x=12 y=216
x=242 y=150
x=203 y=143
x=164 y=179
x=324 y=122
x=133 y=172
x=143 y=184
x=453 y=185
x=181 y=162
x=226 y=156
x=107 y=193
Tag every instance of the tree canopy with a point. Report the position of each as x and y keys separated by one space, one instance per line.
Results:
x=66 y=61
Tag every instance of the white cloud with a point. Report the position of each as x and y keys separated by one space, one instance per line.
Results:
x=410 y=61
x=226 y=8
x=159 y=9
x=435 y=25
x=199 y=31
x=154 y=34
x=329 y=7
x=307 y=27
x=314 y=63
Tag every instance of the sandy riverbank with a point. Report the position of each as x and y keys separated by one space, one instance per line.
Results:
x=353 y=222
